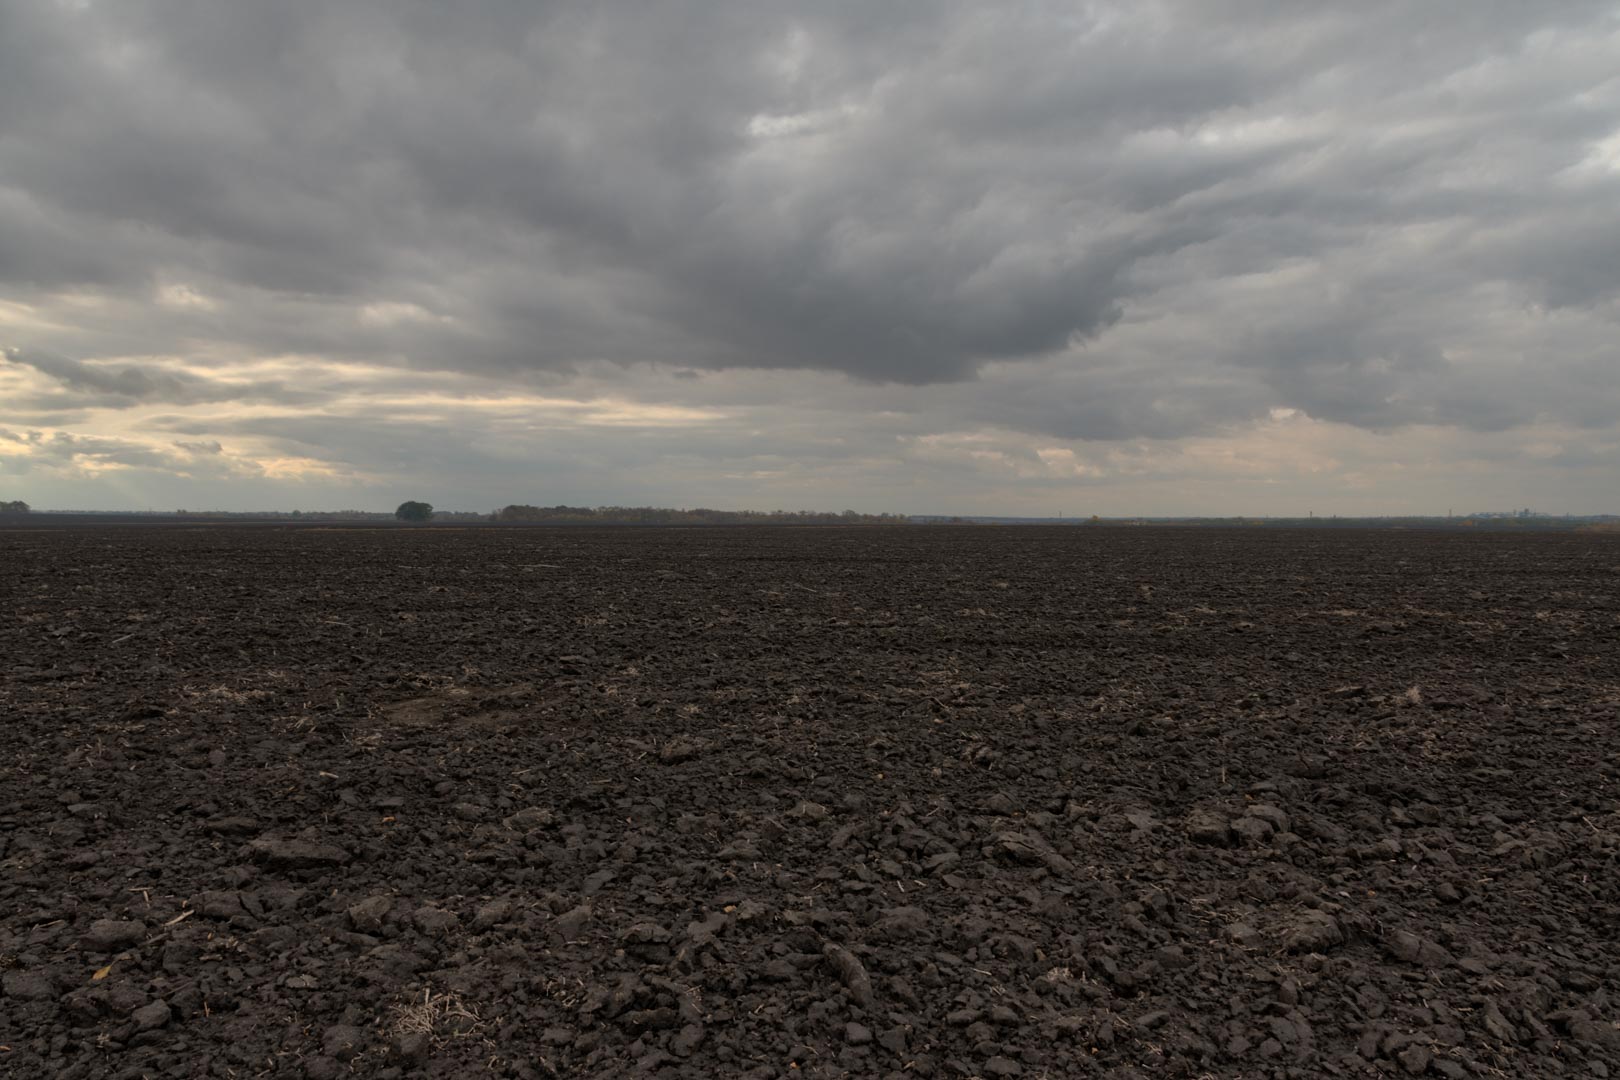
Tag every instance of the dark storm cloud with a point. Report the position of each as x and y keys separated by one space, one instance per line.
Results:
x=123 y=385
x=1313 y=205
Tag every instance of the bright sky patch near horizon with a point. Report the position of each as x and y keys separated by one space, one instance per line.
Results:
x=1201 y=257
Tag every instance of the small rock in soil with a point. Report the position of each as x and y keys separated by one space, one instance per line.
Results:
x=1313 y=931
x=1251 y=831
x=296 y=854
x=367 y=915
x=218 y=905
x=1405 y=945
x=1415 y=1059
x=151 y=1017
x=107 y=935
x=903 y=922
x=1244 y=935
x=680 y=749
x=571 y=924
x=535 y=817
x=28 y=986
x=645 y=932
x=1029 y=849
x=687 y=1040
x=1206 y=828
x=434 y=922
x=1595 y=1032
x=492 y=914
x=1272 y=815
x=808 y=811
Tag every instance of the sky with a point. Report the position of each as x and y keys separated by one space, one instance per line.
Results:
x=1025 y=258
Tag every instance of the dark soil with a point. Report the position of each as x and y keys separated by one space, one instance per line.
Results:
x=783 y=803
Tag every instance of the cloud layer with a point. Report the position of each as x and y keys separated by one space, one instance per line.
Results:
x=760 y=250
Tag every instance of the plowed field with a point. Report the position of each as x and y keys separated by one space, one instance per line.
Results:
x=909 y=802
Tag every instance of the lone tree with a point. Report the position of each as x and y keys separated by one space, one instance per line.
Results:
x=414 y=511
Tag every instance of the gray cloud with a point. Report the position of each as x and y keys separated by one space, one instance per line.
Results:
x=63 y=447
x=122 y=385
x=1094 y=223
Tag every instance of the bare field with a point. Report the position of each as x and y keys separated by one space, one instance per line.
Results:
x=808 y=802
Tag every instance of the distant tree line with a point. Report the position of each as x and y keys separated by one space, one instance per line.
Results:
x=414 y=511
x=411 y=510
x=285 y=515
x=652 y=515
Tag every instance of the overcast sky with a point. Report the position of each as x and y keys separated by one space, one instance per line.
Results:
x=1215 y=256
